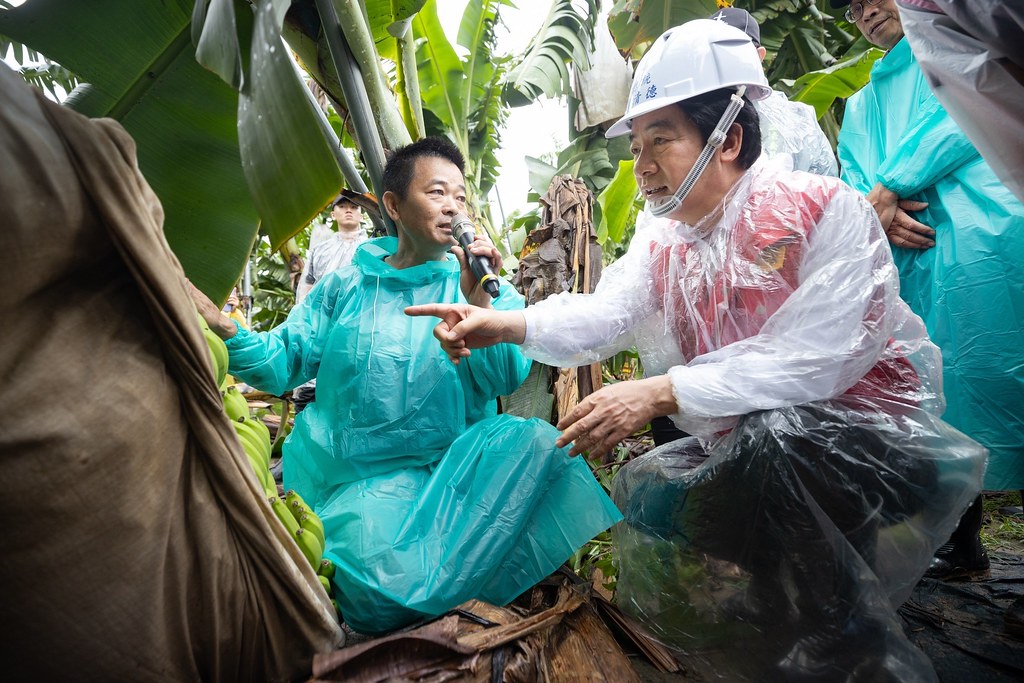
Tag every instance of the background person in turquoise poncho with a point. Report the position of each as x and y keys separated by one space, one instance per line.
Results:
x=959 y=254
x=428 y=497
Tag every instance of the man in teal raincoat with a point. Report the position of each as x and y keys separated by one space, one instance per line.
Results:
x=428 y=497
x=958 y=241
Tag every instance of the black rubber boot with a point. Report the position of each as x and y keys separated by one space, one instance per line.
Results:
x=963 y=556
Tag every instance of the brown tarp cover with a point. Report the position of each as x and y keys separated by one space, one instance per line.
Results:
x=136 y=545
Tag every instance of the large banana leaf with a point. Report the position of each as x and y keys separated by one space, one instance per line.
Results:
x=821 y=88
x=566 y=37
x=138 y=62
x=618 y=202
x=464 y=95
x=634 y=23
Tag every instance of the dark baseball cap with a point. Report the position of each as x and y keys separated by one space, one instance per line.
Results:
x=741 y=19
x=836 y=4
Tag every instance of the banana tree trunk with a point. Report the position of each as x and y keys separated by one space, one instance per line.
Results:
x=409 y=84
x=353 y=87
x=360 y=43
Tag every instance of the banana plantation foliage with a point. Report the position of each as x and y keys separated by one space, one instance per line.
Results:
x=218 y=95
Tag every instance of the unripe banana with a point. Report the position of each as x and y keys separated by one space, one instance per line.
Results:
x=219 y=353
x=262 y=429
x=326 y=583
x=262 y=474
x=278 y=506
x=295 y=502
x=251 y=446
x=244 y=427
x=311 y=523
x=310 y=546
x=235 y=404
x=326 y=569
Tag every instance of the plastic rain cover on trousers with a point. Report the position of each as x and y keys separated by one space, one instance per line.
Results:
x=972 y=56
x=428 y=498
x=969 y=287
x=791 y=128
x=822 y=481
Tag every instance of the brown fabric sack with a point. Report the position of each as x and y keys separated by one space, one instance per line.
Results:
x=136 y=544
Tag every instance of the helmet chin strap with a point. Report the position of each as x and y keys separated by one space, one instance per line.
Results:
x=715 y=140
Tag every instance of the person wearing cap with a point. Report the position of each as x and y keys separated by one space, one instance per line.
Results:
x=957 y=237
x=788 y=128
x=428 y=497
x=336 y=251
x=765 y=306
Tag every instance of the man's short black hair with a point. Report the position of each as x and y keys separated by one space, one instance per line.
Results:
x=402 y=161
x=706 y=110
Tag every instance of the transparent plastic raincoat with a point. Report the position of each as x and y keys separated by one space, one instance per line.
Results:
x=822 y=480
x=972 y=53
x=428 y=497
x=792 y=129
x=969 y=287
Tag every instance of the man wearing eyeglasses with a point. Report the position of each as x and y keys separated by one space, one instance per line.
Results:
x=957 y=236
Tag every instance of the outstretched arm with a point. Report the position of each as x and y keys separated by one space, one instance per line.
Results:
x=464 y=327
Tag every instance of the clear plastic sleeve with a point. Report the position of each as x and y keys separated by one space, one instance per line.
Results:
x=784 y=295
x=972 y=55
x=791 y=129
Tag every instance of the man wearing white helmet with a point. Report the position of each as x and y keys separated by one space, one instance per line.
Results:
x=765 y=306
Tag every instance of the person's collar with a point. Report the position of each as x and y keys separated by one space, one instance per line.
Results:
x=897 y=55
x=370 y=258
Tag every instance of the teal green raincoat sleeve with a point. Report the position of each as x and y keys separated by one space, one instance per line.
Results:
x=930 y=149
x=289 y=355
x=499 y=369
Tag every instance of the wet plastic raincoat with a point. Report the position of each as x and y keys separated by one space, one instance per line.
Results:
x=792 y=129
x=969 y=287
x=972 y=53
x=428 y=498
x=823 y=480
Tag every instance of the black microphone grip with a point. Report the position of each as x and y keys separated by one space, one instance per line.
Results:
x=464 y=234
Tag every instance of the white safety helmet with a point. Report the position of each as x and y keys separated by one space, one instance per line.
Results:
x=697 y=57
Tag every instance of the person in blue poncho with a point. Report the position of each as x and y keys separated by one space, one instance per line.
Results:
x=957 y=236
x=428 y=497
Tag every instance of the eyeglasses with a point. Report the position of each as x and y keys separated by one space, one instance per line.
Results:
x=857 y=9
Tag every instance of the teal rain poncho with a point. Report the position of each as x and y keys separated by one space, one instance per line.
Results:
x=428 y=497
x=969 y=287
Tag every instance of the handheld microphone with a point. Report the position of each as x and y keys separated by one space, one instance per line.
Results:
x=463 y=232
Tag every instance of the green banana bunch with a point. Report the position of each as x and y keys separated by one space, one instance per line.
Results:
x=235 y=404
x=281 y=510
x=307 y=519
x=326 y=568
x=311 y=522
x=263 y=475
x=218 y=351
x=253 y=439
x=311 y=548
x=257 y=449
x=326 y=583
